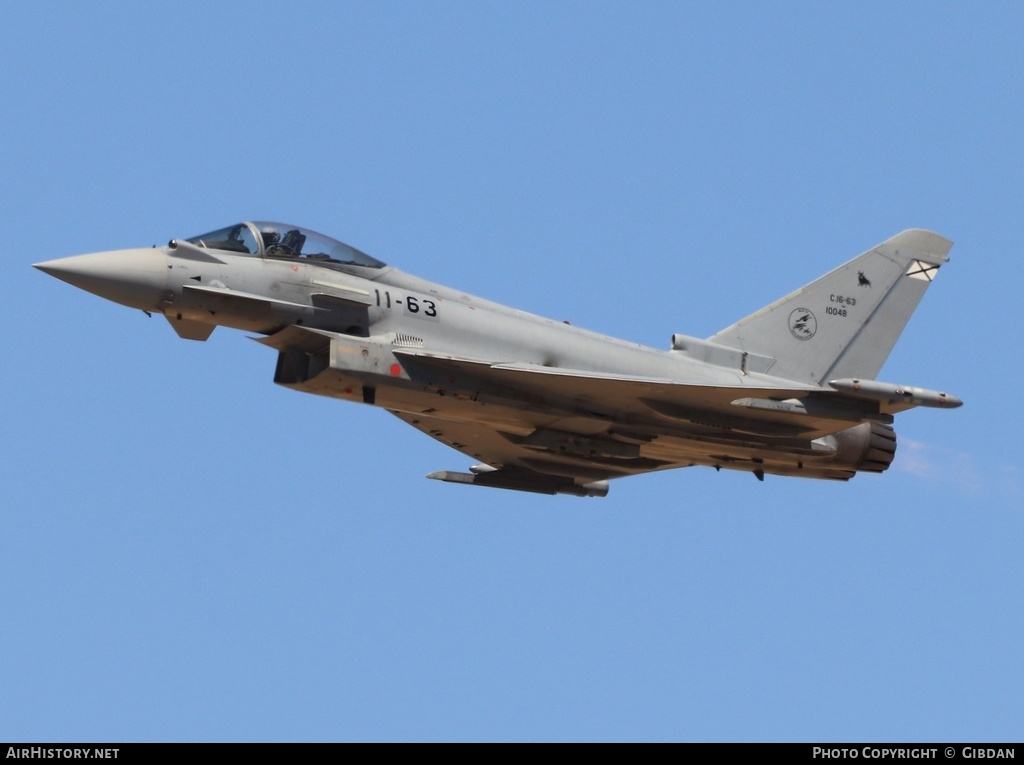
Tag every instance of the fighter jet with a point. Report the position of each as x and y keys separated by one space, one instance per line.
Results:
x=544 y=406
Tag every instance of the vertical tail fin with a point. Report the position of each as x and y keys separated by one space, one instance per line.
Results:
x=845 y=323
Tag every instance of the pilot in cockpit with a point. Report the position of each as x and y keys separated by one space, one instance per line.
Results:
x=287 y=246
x=270 y=237
x=293 y=242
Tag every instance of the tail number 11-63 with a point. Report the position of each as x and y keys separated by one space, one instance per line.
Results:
x=412 y=305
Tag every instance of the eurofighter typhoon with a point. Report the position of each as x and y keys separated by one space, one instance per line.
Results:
x=541 y=405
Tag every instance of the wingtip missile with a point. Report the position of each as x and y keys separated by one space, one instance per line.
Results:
x=895 y=394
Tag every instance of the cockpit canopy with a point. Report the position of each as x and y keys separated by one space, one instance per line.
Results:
x=284 y=241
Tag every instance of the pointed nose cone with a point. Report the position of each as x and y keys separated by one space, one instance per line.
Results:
x=135 y=278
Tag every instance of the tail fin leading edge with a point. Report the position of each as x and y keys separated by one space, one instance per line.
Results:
x=846 y=323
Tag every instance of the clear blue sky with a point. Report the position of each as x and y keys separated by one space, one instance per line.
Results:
x=191 y=553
